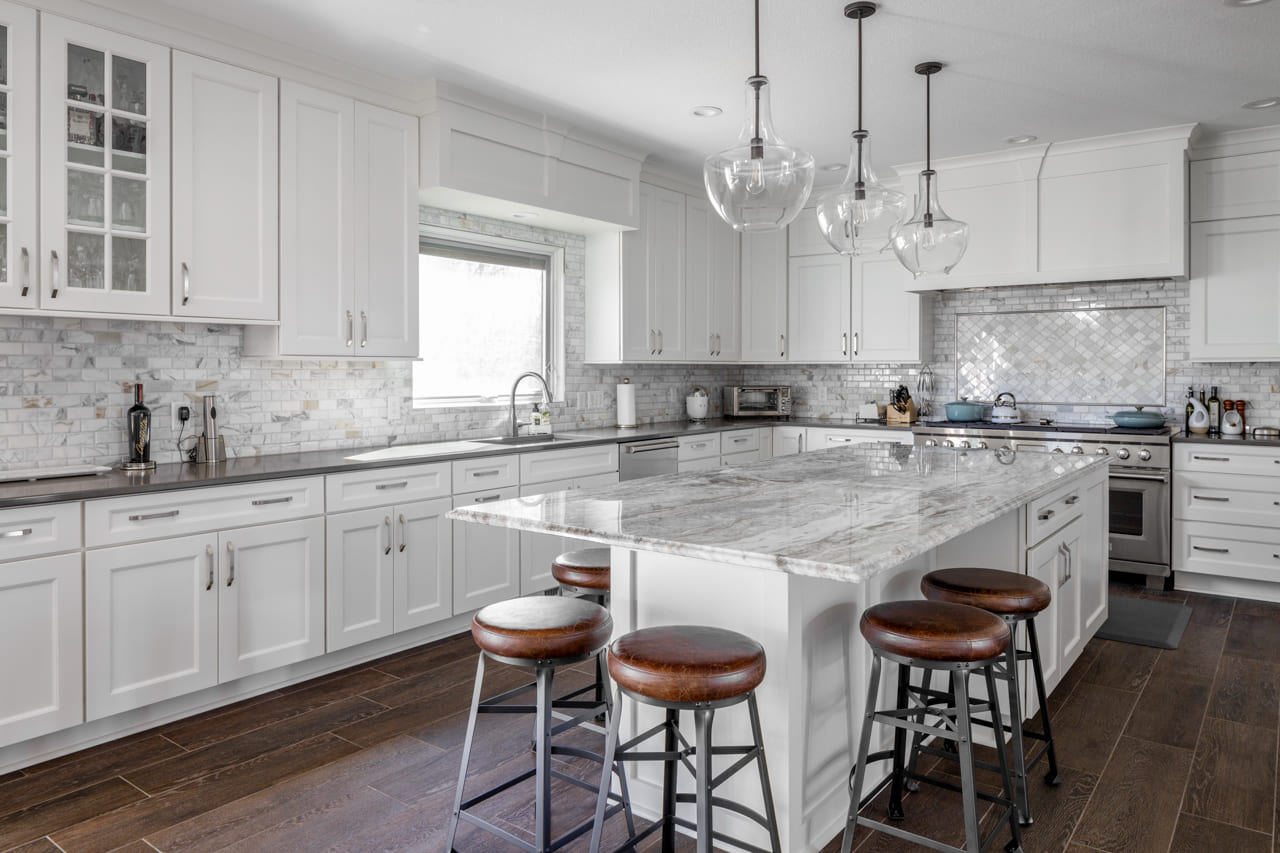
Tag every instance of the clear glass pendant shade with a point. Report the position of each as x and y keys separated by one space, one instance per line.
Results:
x=857 y=216
x=931 y=242
x=760 y=183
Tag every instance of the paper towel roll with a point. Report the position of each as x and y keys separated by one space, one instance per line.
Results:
x=626 y=405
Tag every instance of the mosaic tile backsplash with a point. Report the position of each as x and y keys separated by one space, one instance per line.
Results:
x=1055 y=357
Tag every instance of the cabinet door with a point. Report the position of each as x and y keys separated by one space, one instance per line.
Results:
x=725 y=298
x=537 y=550
x=271 y=597
x=358 y=577
x=1067 y=597
x=1047 y=562
x=886 y=316
x=423 y=554
x=150 y=621
x=1093 y=572
x=787 y=441
x=639 y=340
x=665 y=281
x=818 y=311
x=1235 y=290
x=764 y=296
x=711 y=285
x=226 y=229
x=19 y=261
x=386 y=232
x=486 y=560
x=317 y=259
x=40 y=615
x=105 y=176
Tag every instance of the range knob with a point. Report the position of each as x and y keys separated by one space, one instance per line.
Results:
x=1101 y=451
x=1056 y=450
x=981 y=445
x=946 y=442
x=929 y=442
x=1077 y=450
x=1122 y=453
x=964 y=443
x=1144 y=455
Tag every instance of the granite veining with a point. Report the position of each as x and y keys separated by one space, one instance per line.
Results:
x=844 y=513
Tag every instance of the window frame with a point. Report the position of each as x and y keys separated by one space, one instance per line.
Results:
x=553 y=367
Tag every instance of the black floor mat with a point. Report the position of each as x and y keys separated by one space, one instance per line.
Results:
x=1144 y=622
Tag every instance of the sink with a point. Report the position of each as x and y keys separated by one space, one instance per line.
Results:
x=524 y=439
x=415 y=451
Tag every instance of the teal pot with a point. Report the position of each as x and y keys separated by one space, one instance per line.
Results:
x=963 y=411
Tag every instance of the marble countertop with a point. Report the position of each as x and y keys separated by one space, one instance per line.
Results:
x=844 y=513
x=1202 y=438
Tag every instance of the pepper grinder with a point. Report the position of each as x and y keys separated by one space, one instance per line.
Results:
x=210 y=446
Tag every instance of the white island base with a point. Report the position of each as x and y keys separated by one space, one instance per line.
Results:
x=812 y=696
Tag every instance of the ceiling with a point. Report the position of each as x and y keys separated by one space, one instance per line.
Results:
x=634 y=71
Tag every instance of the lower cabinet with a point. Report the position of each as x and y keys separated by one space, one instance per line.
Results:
x=486 y=560
x=40 y=629
x=173 y=616
x=788 y=440
x=1057 y=561
x=537 y=550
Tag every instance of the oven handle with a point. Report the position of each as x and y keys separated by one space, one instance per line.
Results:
x=645 y=448
x=1125 y=475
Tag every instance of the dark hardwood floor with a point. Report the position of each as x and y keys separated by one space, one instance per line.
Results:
x=1160 y=751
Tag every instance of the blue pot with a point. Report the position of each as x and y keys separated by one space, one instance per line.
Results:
x=1138 y=419
x=962 y=411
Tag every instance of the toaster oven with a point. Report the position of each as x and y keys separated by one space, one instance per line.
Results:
x=757 y=401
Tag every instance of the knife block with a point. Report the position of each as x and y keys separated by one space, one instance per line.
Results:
x=893 y=417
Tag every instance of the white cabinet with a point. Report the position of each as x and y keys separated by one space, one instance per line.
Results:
x=788 y=440
x=653 y=279
x=890 y=322
x=422 y=574
x=698 y=452
x=104 y=179
x=818 y=308
x=40 y=629
x=712 y=315
x=819 y=438
x=225 y=191
x=19 y=259
x=538 y=550
x=348 y=230
x=764 y=297
x=1235 y=290
x=486 y=560
x=1235 y=187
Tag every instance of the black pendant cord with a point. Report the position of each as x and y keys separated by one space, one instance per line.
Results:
x=757 y=143
x=860 y=75
x=860 y=134
x=928 y=122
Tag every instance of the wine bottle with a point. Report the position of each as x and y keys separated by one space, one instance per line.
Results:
x=1215 y=411
x=139 y=420
x=1191 y=394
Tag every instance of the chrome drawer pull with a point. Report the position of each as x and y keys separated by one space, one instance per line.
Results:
x=231 y=557
x=1208 y=498
x=487 y=498
x=13 y=534
x=1212 y=458
x=208 y=553
x=384 y=486
x=386 y=519
x=1046 y=515
x=264 y=501
x=1072 y=501
x=495 y=472
x=402 y=533
x=1211 y=550
x=173 y=513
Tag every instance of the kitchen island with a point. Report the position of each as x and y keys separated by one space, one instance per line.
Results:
x=791 y=550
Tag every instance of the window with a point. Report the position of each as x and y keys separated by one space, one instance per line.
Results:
x=490 y=310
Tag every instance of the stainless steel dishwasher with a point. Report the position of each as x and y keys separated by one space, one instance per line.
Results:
x=647 y=458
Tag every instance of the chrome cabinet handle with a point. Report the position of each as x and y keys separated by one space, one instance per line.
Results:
x=186 y=283
x=384 y=486
x=782 y=345
x=487 y=498
x=351 y=328
x=659 y=342
x=364 y=329
x=1046 y=515
x=1215 y=458
x=844 y=343
x=208 y=554
x=402 y=533
x=1211 y=550
x=491 y=473
x=711 y=343
x=53 y=272
x=653 y=342
x=1071 y=559
x=1208 y=498
x=13 y=534
x=26 y=271
x=1072 y=501
x=855 y=343
x=173 y=513
x=386 y=519
x=645 y=448
x=266 y=501
x=231 y=563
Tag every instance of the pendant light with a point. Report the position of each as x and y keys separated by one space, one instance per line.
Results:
x=930 y=242
x=858 y=216
x=760 y=183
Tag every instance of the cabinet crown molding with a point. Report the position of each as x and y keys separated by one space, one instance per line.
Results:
x=1256 y=140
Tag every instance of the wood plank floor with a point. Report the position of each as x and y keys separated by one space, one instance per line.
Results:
x=1160 y=751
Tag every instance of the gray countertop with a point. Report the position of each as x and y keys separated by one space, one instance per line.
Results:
x=844 y=513
x=178 y=475
x=1197 y=438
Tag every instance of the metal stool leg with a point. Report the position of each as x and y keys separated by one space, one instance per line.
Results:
x=542 y=796
x=917 y=739
x=860 y=766
x=702 y=719
x=899 y=749
x=964 y=732
x=770 y=814
x=606 y=773
x=1052 y=777
x=669 y=783
x=1020 y=794
x=1010 y=790
x=466 y=752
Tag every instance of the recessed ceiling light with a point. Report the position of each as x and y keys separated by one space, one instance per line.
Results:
x=1020 y=140
x=1244 y=2
x=1261 y=104
x=707 y=111
x=832 y=167
x=524 y=214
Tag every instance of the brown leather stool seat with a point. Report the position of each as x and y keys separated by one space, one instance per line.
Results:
x=686 y=663
x=994 y=590
x=542 y=628
x=584 y=569
x=932 y=630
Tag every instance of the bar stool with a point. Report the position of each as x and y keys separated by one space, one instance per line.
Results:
x=951 y=638
x=701 y=669
x=1015 y=598
x=541 y=633
x=585 y=573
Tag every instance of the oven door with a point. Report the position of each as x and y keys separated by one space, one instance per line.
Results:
x=1139 y=522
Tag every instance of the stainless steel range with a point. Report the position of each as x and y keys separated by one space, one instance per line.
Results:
x=1140 y=460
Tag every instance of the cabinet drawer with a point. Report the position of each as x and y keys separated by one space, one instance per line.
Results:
x=1227 y=498
x=363 y=489
x=492 y=472
x=162 y=515
x=1226 y=550
x=545 y=466
x=1226 y=458
x=1051 y=512
x=698 y=447
x=740 y=441
x=32 y=531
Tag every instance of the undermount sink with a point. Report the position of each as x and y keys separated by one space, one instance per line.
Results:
x=414 y=451
x=523 y=439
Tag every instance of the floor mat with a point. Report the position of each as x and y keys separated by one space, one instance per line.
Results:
x=1144 y=622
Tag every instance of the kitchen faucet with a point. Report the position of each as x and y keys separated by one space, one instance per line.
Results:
x=546 y=396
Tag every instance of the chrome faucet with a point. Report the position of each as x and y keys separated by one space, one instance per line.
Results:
x=546 y=396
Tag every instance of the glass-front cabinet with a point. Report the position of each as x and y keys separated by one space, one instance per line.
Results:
x=18 y=179
x=105 y=173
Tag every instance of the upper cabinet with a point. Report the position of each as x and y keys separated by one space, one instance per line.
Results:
x=348 y=230
x=1235 y=187
x=764 y=296
x=18 y=175
x=711 y=256
x=225 y=191
x=104 y=126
